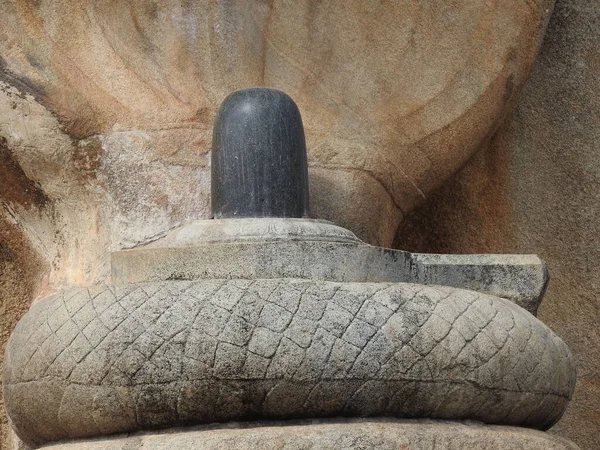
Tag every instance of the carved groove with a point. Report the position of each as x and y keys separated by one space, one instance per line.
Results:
x=89 y=362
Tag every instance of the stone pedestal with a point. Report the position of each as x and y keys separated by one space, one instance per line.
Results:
x=340 y=434
x=285 y=319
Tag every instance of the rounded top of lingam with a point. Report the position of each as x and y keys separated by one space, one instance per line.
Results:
x=259 y=157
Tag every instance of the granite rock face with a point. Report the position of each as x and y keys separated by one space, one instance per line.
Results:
x=106 y=111
x=536 y=187
x=382 y=434
x=395 y=98
x=90 y=362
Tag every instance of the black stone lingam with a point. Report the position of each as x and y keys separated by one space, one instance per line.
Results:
x=259 y=157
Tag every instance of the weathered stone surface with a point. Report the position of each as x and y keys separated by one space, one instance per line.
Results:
x=19 y=266
x=520 y=278
x=316 y=249
x=88 y=362
x=106 y=111
x=382 y=434
x=92 y=94
x=534 y=193
x=536 y=187
x=200 y=232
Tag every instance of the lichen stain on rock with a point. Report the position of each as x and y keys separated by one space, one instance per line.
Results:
x=17 y=188
x=87 y=156
x=22 y=83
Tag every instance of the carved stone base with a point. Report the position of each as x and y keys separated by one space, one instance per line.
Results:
x=315 y=249
x=91 y=362
x=339 y=434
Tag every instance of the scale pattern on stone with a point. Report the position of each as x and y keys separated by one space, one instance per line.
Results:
x=89 y=362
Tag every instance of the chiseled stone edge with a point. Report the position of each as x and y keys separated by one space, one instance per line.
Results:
x=264 y=229
x=336 y=434
x=519 y=278
x=90 y=362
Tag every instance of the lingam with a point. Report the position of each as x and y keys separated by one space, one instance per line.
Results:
x=265 y=328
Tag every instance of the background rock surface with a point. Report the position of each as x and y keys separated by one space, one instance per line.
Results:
x=536 y=188
x=106 y=108
x=84 y=173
